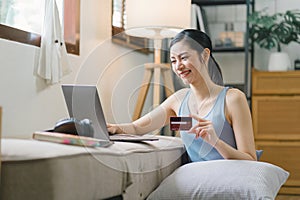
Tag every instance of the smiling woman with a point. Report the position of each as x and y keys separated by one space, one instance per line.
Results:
x=23 y=23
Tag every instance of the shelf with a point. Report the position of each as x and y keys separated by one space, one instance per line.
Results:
x=240 y=86
x=228 y=49
x=219 y=2
x=247 y=49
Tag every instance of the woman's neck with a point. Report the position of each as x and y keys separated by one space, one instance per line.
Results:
x=203 y=97
x=204 y=89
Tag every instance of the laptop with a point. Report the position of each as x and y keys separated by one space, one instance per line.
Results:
x=83 y=102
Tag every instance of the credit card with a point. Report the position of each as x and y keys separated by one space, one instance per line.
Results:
x=180 y=123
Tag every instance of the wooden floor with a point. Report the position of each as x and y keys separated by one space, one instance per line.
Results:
x=287 y=197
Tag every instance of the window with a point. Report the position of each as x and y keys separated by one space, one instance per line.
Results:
x=118 y=28
x=22 y=21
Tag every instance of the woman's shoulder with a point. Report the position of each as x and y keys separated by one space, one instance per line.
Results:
x=177 y=97
x=234 y=93
x=181 y=93
x=235 y=96
x=236 y=102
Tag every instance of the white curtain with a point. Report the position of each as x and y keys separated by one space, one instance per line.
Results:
x=197 y=18
x=53 y=62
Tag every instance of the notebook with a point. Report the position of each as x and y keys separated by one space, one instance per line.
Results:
x=83 y=102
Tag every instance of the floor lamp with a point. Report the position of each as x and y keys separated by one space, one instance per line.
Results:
x=156 y=20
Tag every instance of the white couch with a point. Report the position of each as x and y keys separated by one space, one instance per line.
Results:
x=41 y=170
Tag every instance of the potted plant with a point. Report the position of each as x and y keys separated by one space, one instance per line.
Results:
x=273 y=31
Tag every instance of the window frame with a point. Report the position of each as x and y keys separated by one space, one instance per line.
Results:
x=120 y=37
x=30 y=38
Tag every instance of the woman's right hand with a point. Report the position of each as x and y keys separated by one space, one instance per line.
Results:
x=124 y=128
x=114 y=129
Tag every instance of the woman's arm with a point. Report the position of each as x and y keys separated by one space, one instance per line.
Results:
x=153 y=120
x=238 y=114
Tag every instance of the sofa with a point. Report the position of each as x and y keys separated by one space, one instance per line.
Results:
x=34 y=169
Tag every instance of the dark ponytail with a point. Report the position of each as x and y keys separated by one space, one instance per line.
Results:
x=198 y=41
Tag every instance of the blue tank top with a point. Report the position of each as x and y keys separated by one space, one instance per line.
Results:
x=198 y=149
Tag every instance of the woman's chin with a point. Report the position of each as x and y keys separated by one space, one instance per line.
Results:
x=186 y=81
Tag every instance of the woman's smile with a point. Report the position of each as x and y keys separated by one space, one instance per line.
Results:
x=184 y=73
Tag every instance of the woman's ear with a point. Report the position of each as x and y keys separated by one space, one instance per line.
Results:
x=205 y=55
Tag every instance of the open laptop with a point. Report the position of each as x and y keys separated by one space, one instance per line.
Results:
x=83 y=102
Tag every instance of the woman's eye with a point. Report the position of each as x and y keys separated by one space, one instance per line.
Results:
x=183 y=58
x=173 y=61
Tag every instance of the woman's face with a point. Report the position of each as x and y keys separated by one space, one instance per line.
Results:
x=186 y=62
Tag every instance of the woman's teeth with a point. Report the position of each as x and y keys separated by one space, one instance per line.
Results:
x=185 y=73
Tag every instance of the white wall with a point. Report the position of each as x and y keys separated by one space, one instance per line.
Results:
x=28 y=104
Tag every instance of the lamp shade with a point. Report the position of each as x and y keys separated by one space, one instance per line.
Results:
x=157 y=18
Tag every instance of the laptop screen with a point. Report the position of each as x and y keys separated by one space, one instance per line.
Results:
x=83 y=102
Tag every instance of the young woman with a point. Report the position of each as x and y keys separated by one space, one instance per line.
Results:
x=222 y=124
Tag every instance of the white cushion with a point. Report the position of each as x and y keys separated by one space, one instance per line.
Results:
x=222 y=179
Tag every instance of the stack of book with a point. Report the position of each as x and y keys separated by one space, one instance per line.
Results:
x=68 y=139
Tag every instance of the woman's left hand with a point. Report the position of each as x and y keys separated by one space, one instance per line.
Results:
x=205 y=130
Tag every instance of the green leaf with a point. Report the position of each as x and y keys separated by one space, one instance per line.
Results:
x=271 y=31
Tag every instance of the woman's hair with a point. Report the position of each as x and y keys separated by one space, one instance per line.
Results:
x=198 y=41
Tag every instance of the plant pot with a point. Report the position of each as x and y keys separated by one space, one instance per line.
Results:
x=279 y=61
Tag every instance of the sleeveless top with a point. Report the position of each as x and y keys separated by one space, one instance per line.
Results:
x=198 y=149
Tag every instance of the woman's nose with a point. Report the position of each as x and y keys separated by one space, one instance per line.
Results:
x=179 y=65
